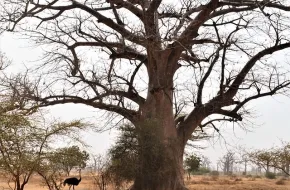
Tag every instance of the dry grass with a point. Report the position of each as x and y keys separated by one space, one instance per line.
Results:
x=196 y=183
x=237 y=183
x=36 y=184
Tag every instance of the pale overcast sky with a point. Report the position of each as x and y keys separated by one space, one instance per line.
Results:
x=271 y=119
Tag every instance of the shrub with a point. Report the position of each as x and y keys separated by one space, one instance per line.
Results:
x=204 y=170
x=270 y=175
x=252 y=179
x=226 y=182
x=199 y=182
x=238 y=179
x=201 y=171
x=281 y=181
x=214 y=175
x=249 y=176
x=233 y=176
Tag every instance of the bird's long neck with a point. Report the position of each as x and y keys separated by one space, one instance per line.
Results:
x=80 y=176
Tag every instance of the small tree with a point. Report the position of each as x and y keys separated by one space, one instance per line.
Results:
x=101 y=173
x=23 y=143
x=69 y=157
x=263 y=158
x=192 y=163
x=275 y=157
x=124 y=156
x=281 y=158
x=51 y=174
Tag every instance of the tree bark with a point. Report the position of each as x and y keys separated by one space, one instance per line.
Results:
x=161 y=152
x=160 y=164
x=167 y=175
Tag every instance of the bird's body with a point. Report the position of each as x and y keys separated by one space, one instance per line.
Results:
x=73 y=181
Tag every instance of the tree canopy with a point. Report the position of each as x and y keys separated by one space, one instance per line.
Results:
x=192 y=163
x=68 y=158
x=100 y=50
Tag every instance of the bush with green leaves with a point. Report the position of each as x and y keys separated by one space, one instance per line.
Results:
x=57 y=165
x=69 y=157
x=192 y=163
x=270 y=175
x=201 y=171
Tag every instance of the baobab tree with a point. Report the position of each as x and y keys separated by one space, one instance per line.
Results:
x=227 y=162
x=168 y=64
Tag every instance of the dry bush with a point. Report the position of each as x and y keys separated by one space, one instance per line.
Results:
x=233 y=176
x=199 y=182
x=238 y=179
x=226 y=182
x=252 y=179
x=281 y=181
x=214 y=178
x=214 y=175
x=205 y=179
x=204 y=182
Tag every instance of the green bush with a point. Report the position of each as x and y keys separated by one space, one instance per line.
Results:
x=201 y=171
x=270 y=175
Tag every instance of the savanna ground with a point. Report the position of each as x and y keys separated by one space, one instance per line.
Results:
x=196 y=183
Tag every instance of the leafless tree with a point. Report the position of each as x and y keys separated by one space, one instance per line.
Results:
x=205 y=162
x=227 y=162
x=242 y=158
x=100 y=173
x=180 y=64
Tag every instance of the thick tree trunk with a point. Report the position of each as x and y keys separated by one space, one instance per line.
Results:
x=161 y=168
x=161 y=154
x=159 y=180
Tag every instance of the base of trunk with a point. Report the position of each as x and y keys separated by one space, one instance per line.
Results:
x=159 y=164
x=162 y=185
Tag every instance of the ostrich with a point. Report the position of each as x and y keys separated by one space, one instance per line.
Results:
x=73 y=181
